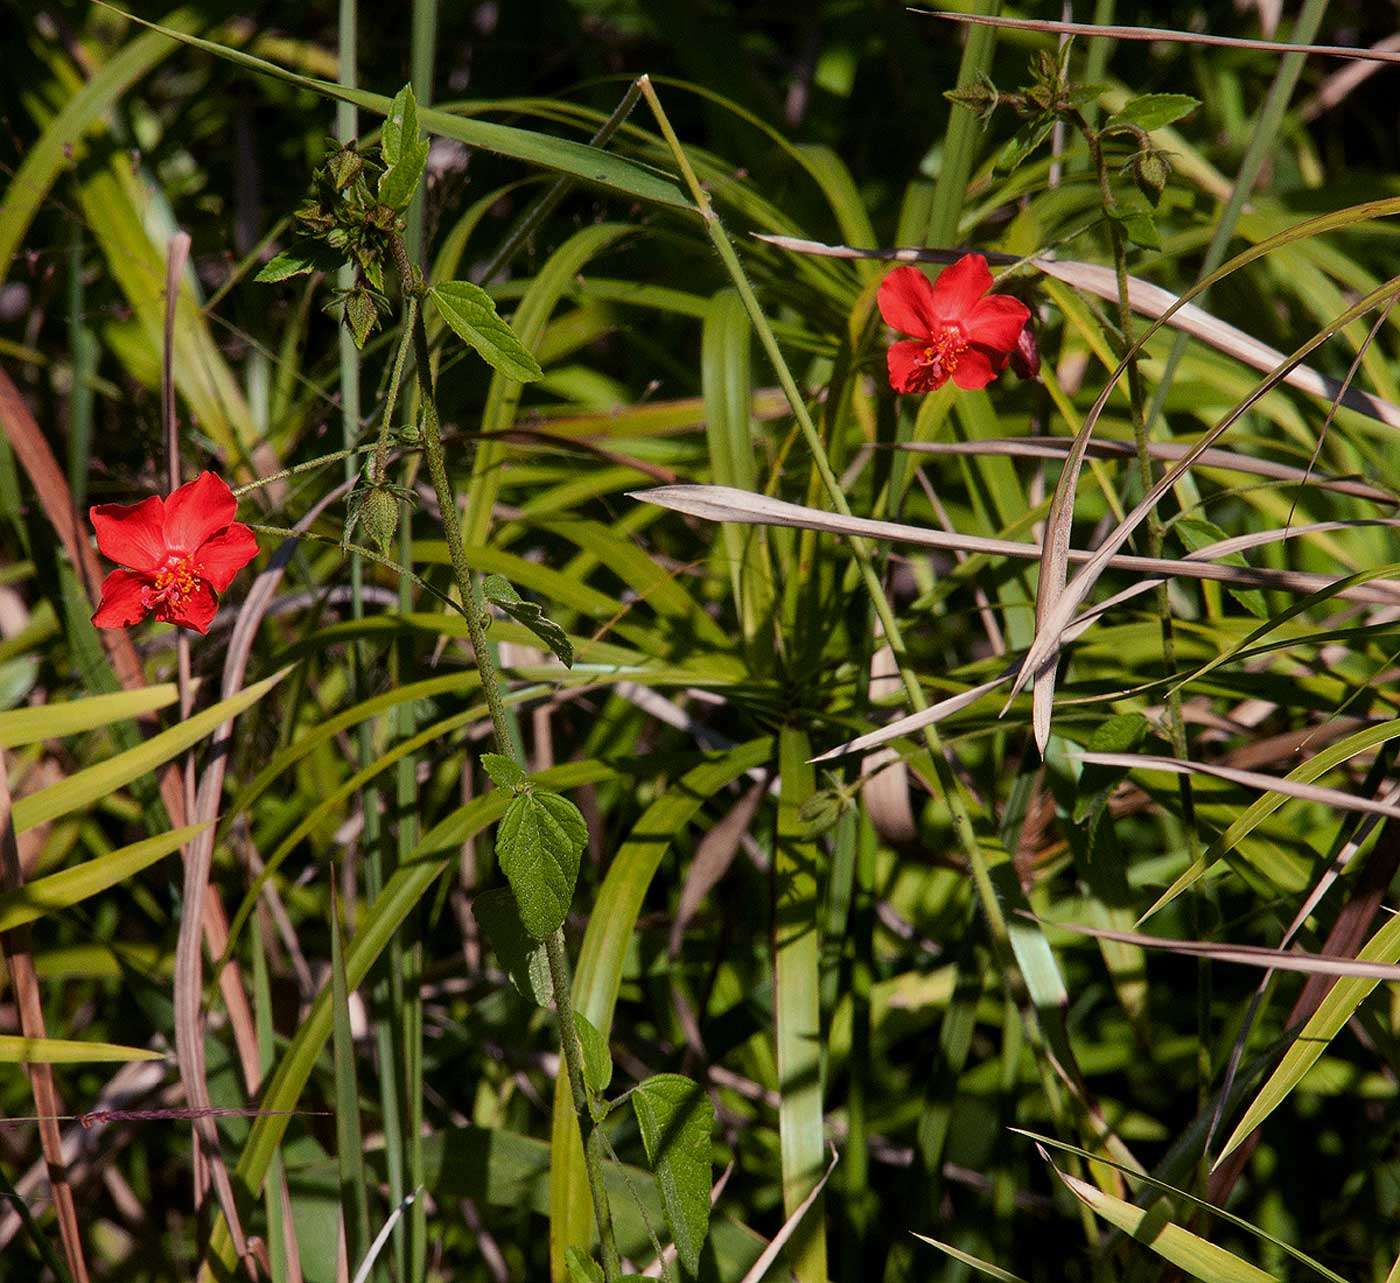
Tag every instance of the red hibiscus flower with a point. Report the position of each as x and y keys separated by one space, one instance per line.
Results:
x=177 y=553
x=958 y=331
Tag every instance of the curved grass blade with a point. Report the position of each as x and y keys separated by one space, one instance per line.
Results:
x=563 y=155
x=106 y=777
x=21 y=726
x=62 y=890
x=1326 y=1023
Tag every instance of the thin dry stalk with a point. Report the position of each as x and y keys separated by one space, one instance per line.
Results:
x=19 y=959
x=1167 y=35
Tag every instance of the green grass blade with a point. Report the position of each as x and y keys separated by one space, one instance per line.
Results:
x=15 y=1050
x=106 y=777
x=51 y=721
x=354 y=1196
x=562 y=155
x=797 y=1007
x=61 y=890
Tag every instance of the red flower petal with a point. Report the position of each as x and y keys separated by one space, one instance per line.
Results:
x=908 y=371
x=197 y=511
x=123 y=600
x=195 y=611
x=957 y=289
x=997 y=321
x=976 y=369
x=223 y=556
x=906 y=302
x=131 y=534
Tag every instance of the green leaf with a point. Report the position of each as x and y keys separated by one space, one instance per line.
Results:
x=1153 y=111
x=1023 y=142
x=676 y=1121
x=298 y=259
x=597 y=1058
x=582 y=1267
x=539 y=843
x=361 y=315
x=1198 y=533
x=106 y=777
x=501 y=594
x=471 y=313
x=15 y=1050
x=349 y=1143
x=61 y=890
x=400 y=130
x=1134 y=215
x=504 y=773
x=22 y=726
x=524 y=959
x=404 y=149
x=398 y=185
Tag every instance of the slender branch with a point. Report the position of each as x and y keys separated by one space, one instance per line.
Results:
x=411 y=282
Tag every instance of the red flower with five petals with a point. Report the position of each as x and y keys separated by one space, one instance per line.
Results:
x=958 y=331
x=177 y=553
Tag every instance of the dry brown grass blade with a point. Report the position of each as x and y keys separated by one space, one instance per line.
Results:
x=1225 y=460
x=1164 y=34
x=188 y=987
x=1343 y=81
x=1248 y=779
x=1248 y=955
x=19 y=960
x=1144 y=298
x=725 y=503
x=1063 y=598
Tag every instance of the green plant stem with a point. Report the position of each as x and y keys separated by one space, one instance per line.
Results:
x=308 y=465
x=573 y=1061
x=411 y=282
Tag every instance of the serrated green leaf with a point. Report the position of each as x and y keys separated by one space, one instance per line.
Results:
x=676 y=1120
x=1138 y=223
x=361 y=316
x=597 y=1057
x=500 y=593
x=400 y=130
x=1154 y=111
x=539 y=841
x=1022 y=143
x=582 y=1267
x=470 y=312
x=524 y=959
x=504 y=773
x=398 y=183
x=298 y=259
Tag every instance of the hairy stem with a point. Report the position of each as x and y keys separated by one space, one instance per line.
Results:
x=474 y=606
